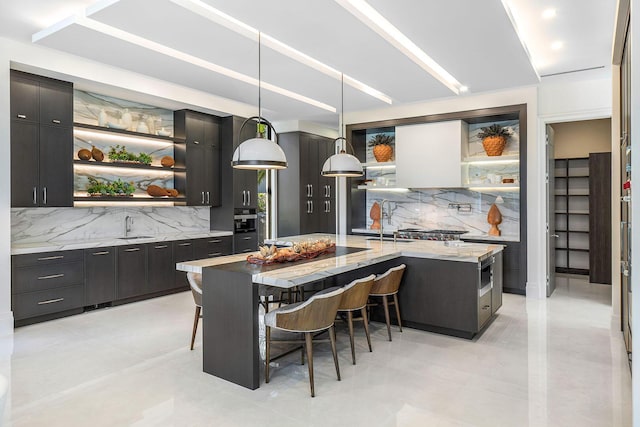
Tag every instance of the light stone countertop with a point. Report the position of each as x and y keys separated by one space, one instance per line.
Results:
x=294 y=274
x=49 y=246
x=474 y=236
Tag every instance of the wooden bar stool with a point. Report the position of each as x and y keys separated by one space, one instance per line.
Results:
x=316 y=314
x=387 y=284
x=195 y=281
x=355 y=298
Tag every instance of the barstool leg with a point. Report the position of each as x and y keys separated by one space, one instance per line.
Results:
x=363 y=310
x=351 y=338
x=395 y=302
x=332 y=338
x=308 y=338
x=195 y=325
x=385 y=303
x=267 y=353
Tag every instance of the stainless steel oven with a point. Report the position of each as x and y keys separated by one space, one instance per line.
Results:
x=485 y=286
x=244 y=220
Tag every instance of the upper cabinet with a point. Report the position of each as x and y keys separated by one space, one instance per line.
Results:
x=429 y=155
x=41 y=141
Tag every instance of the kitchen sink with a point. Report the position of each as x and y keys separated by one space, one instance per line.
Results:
x=389 y=239
x=135 y=237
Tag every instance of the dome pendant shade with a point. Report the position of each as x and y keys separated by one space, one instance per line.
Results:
x=342 y=164
x=259 y=153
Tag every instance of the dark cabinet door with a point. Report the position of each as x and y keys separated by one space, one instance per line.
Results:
x=56 y=103
x=212 y=162
x=245 y=242
x=245 y=182
x=212 y=247
x=326 y=196
x=24 y=164
x=24 y=97
x=100 y=275
x=161 y=267
x=182 y=251
x=132 y=271
x=195 y=159
x=56 y=166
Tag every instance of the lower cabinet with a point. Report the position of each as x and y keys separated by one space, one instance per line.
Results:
x=100 y=276
x=245 y=242
x=46 y=283
x=131 y=271
x=514 y=277
x=160 y=266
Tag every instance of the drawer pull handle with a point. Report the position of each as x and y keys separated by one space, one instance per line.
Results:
x=132 y=250
x=22 y=116
x=184 y=244
x=486 y=307
x=216 y=254
x=56 y=121
x=247 y=238
x=51 y=276
x=50 y=301
x=101 y=253
x=47 y=258
x=248 y=250
x=215 y=241
x=161 y=246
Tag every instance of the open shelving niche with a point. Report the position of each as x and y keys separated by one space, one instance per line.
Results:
x=103 y=138
x=572 y=215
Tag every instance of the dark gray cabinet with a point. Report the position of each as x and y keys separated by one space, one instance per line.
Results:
x=514 y=276
x=131 y=271
x=100 y=275
x=46 y=285
x=212 y=247
x=496 y=293
x=600 y=218
x=200 y=155
x=245 y=242
x=245 y=182
x=182 y=251
x=160 y=267
x=41 y=141
x=309 y=204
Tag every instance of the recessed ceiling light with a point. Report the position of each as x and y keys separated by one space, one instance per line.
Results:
x=549 y=13
x=464 y=89
x=556 y=45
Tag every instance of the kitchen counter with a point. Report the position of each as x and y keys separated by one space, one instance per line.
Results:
x=470 y=236
x=52 y=245
x=292 y=274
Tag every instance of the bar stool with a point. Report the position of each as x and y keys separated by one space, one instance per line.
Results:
x=387 y=284
x=195 y=282
x=316 y=314
x=355 y=298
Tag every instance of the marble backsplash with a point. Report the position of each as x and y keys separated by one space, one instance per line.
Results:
x=34 y=225
x=438 y=209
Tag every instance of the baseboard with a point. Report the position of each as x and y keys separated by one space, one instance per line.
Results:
x=6 y=323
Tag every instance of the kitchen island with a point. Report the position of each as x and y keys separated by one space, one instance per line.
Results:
x=446 y=289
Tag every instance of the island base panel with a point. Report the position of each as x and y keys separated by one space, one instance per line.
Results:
x=230 y=327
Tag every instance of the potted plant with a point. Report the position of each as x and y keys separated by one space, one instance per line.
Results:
x=120 y=154
x=382 y=149
x=494 y=139
x=115 y=188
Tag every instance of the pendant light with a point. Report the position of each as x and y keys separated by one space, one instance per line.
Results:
x=259 y=152
x=342 y=163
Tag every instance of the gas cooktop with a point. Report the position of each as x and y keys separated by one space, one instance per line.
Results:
x=420 y=234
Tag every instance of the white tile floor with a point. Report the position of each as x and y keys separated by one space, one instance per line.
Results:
x=541 y=363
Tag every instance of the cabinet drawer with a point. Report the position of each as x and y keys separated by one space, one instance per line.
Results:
x=30 y=279
x=484 y=309
x=246 y=242
x=212 y=247
x=46 y=258
x=48 y=301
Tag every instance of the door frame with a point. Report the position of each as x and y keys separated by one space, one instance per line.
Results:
x=543 y=121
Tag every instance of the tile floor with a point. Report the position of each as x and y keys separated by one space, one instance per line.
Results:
x=540 y=363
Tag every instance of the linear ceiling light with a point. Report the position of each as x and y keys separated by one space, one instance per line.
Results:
x=385 y=29
x=214 y=15
x=176 y=54
x=511 y=13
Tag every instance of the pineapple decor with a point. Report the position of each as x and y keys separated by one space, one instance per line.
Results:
x=494 y=138
x=382 y=149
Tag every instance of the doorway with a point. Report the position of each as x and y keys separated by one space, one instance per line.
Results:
x=579 y=203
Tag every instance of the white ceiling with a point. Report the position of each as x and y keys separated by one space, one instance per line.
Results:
x=474 y=41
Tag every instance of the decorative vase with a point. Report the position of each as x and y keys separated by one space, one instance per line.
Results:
x=374 y=214
x=102 y=118
x=142 y=127
x=151 y=125
x=126 y=119
x=494 y=145
x=494 y=217
x=383 y=152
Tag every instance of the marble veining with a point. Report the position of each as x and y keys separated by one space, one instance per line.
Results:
x=37 y=228
x=292 y=274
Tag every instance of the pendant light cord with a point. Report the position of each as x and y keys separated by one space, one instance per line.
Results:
x=259 y=78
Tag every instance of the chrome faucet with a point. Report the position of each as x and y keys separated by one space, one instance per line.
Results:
x=128 y=223
x=382 y=217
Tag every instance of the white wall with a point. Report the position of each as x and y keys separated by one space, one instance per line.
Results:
x=6 y=317
x=535 y=183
